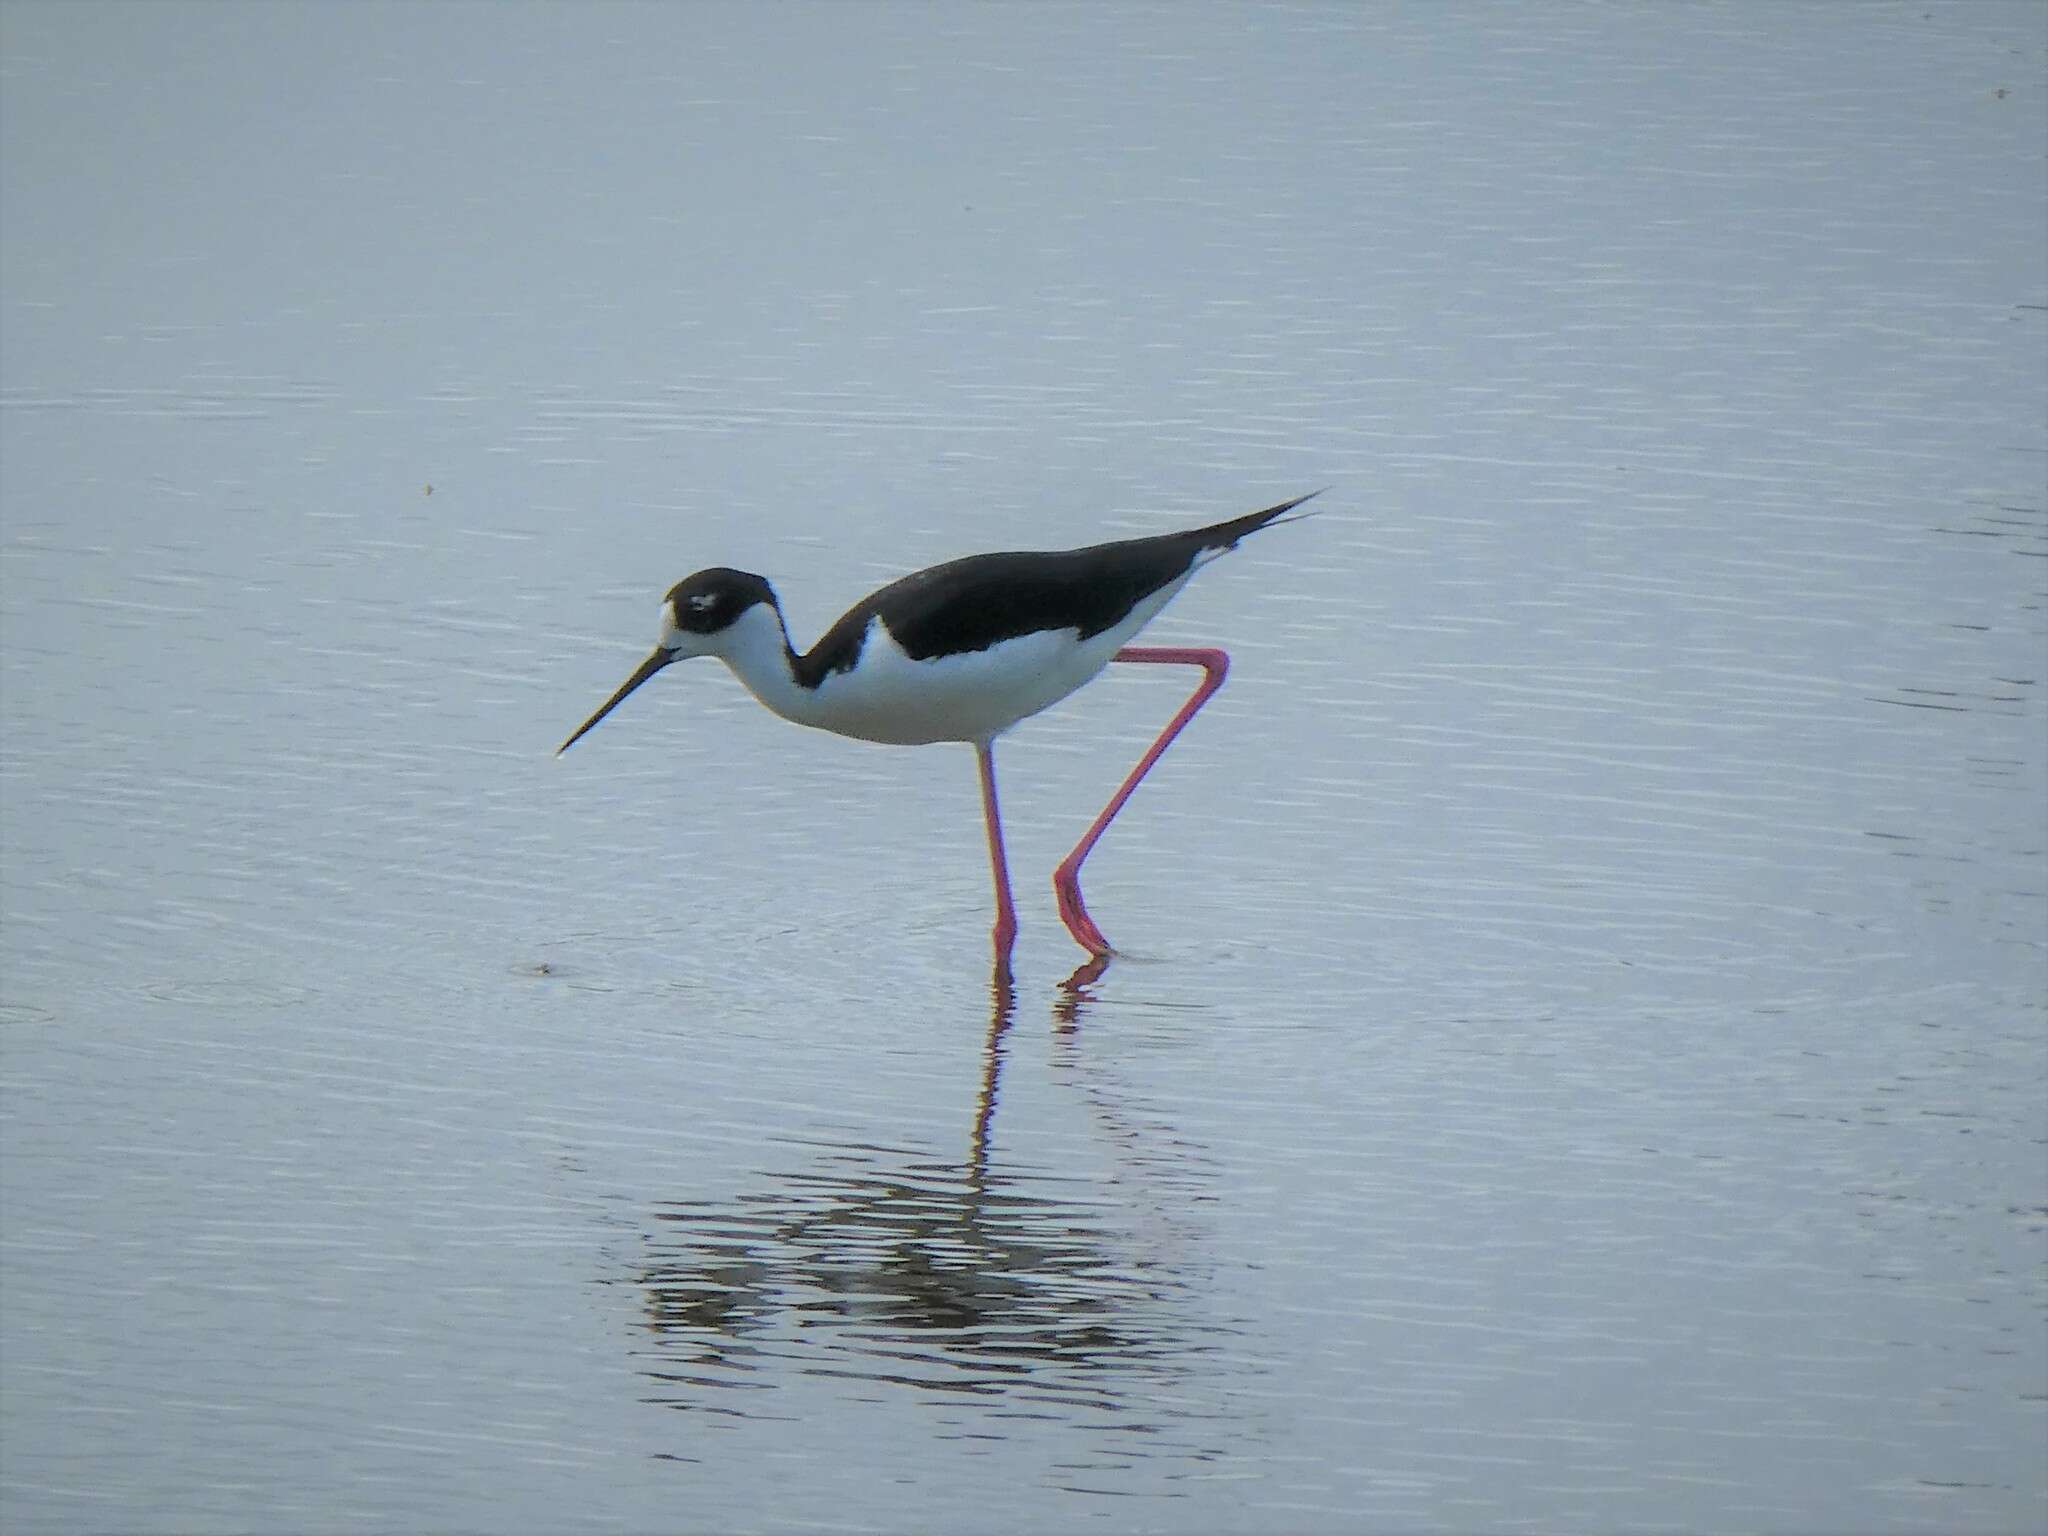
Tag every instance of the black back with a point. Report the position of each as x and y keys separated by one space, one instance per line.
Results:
x=972 y=604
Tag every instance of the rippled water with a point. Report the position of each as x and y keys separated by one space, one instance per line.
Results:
x=1580 y=1056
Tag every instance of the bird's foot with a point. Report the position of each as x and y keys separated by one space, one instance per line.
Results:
x=1066 y=887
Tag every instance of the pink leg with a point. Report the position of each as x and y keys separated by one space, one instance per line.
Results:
x=1066 y=880
x=1005 y=933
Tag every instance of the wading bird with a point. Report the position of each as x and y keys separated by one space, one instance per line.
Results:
x=961 y=652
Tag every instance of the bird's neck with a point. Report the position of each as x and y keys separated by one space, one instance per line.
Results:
x=758 y=651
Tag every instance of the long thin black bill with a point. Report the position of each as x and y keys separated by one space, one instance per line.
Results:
x=647 y=669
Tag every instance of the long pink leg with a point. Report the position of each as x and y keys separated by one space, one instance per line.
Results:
x=1005 y=932
x=1066 y=880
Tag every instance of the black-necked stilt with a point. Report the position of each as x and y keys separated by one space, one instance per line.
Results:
x=961 y=652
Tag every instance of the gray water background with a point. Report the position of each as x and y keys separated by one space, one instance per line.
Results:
x=1580 y=1057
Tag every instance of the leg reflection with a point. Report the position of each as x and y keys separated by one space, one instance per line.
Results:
x=1002 y=992
x=1074 y=995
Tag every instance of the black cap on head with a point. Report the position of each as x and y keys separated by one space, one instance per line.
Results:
x=712 y=600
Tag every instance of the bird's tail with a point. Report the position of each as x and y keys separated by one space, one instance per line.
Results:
x=1224 y=535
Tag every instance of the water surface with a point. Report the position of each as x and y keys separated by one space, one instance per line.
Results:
x=1579 y=1057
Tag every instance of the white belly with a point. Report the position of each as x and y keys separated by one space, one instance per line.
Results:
x=974 y=696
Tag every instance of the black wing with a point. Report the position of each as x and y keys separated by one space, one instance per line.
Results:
x=971 y=604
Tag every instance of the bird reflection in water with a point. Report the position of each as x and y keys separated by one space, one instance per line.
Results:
x=884 y=1264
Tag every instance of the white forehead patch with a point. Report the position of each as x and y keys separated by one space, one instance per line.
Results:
x=699 y=601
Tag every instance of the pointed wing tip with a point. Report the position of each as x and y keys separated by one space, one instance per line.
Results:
x=1274 y=516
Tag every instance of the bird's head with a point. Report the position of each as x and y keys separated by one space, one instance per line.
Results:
x=703 y=615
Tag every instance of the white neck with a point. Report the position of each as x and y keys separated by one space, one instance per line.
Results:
x=757 y=649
